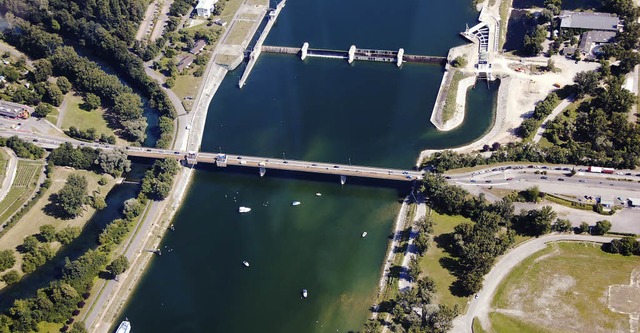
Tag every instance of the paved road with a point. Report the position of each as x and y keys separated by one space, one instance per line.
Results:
x=563 y=105
x=481 y=306
x=10 y=174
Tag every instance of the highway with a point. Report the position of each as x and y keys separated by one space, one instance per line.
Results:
x=50 y=142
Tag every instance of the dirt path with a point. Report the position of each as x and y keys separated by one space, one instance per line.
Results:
x=10 y=174
x=481 y=306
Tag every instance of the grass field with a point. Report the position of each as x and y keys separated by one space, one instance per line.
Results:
x=73 y=115
x=44 y=327
x=238 y=32
x=21 y=189
x=432 y=261
x=53 y=116
x=563 y=288
x=30 y=223
x=4 y=159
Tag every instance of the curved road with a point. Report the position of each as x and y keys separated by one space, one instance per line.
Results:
x=10 y=174
x=481 y=306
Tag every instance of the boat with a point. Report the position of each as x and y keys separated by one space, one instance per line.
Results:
x=245 y=263
x=343 y=179
x=304 y=293
x=262 y=171
x=318 y=194
x=243 y=209
x=125 y=327
x=364 y=234
x=295 y=203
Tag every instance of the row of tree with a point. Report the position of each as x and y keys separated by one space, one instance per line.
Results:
x=113 y=161
x=23 y=149
x=158 y=180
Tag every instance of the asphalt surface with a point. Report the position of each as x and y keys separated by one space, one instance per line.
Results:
x=481 y=306
x=10 y=173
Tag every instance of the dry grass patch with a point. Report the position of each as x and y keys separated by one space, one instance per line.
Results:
x=239 y=32
x=4 y=160
x=565 y=288
x=22 y=188
x=31 y=222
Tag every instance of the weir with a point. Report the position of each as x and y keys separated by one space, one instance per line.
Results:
x=257 y=49
x=397 y=57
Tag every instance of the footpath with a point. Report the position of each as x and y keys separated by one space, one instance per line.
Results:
x=10 y=174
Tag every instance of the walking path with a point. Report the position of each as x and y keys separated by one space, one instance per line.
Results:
x=563 y=105
x=481 y=306
x=404 y=283
x=10 y=174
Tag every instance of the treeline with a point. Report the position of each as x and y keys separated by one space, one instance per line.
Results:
x=63 y=298
x=626 y=246
x=158 y=180
x=23 y=149
x=113 y=162
x=544 y=108
x=90 y=134
x=106 y=36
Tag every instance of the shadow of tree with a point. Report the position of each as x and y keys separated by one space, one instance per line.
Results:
x=395 y=271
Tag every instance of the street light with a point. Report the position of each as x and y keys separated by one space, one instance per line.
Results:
x=283 y=157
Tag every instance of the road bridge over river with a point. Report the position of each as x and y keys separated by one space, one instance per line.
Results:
x=222 y=160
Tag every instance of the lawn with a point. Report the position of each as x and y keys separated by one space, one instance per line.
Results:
x=503 y=323
x=21 y=189
x=186 y=85
x=30 y=223
x=238 y=32
x=74 y=115
x=563 y=288
x=53 y=116
x=432 y=261
x=45 y=327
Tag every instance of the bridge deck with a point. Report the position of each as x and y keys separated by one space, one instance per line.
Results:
x=360 y=54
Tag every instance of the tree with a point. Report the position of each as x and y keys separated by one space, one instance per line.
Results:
x=414 y=269
x=533 y=41
x=459 y=61
x=72 y=195
x=92 y=101
x=7 y=259
x=67 y=235
x=371 y=326
x=584 y=227
x=562 y=225
x=531 y=194
x=551 y=65
x=48 y=233
x=42 y=69
x=42 y=110
x=601 y=227
x=98 y=203
x=118 y=266
x=626 y=246
x=53 y=95
x=114 y=162
x=103 y=181
x=64 y=84
x=586 y=83
x=30 y=244
x=78 y=327
x=11 y=277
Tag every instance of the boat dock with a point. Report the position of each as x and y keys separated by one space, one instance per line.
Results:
x=257 y=49
x=398 y=57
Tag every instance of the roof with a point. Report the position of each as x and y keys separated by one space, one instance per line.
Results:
x=606 y=202
x=199 y=45
x=589 y=21
x=185 y=62
x=591 y=38
x=206 y=4
x=634 y=201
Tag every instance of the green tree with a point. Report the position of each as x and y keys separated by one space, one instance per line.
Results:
x=626 y=246
x=48 y=232
x=11 y=277
x=114 y=162
x=584 y=228
x=30 y=244
x=67 y=235
x=42 y=110
x=98 y=203
x=7 y=259
x=72 y=196
x=459 y=61
x=103 y=181
x=64 y=84
x=532 y=194
x=562 y=225
x=78 y=327
x=92 y=101
x=601 y=227
x=414 y=269
x=118 y=266
x=42 y=69
x=53 y=95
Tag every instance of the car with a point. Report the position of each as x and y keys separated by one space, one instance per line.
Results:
x=628 y=174
x=610 y=184
x=239 y=157
x=543 y=177
x=285 y=162
x=487 y=181
x=558 y=168
x=314 y=164
x=561 y=179
x=408 y=177
x=335 y=166
x=473 y=180
x=405 y=173
x=148 y=149
x=582 y=181
x=530 y=167
x=447 y=177
x=510 y=178
x=176 y=152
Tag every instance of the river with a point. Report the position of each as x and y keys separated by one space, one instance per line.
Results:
x=324 y=110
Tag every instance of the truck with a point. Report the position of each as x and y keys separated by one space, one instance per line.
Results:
x=601 y=170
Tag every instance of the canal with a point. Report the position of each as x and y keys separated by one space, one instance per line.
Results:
x=319 y=109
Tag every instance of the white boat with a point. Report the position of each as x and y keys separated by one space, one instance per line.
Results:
x=364 y=234
x=318 y=194
x=295 y=203
x=304 y=293
x=343 y=179
x=243 y=209
x=245 y=263
x=125 y=327
x=262 y=171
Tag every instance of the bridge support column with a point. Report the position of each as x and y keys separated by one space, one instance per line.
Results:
x=400 y=55
x=352 y=53
x=304 y=50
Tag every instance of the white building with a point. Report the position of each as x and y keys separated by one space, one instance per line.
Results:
x=205 y=7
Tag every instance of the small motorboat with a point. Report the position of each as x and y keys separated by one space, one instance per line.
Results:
x=343 y=180
x=243 y=209
x=125 y=327
x=318 y=194
x=364 y=234
x=245 y=263
x=304 y=293
x=295 y=203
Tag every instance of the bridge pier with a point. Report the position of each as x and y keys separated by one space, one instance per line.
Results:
x=400 y=55
x=352 y=53
x=304 y=50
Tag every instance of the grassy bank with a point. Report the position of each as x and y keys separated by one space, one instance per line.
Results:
x=450 y=105
x=505 y=9
x=529 y=295
x=23 y=186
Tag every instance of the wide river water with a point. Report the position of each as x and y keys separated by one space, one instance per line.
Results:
x=324 y=110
